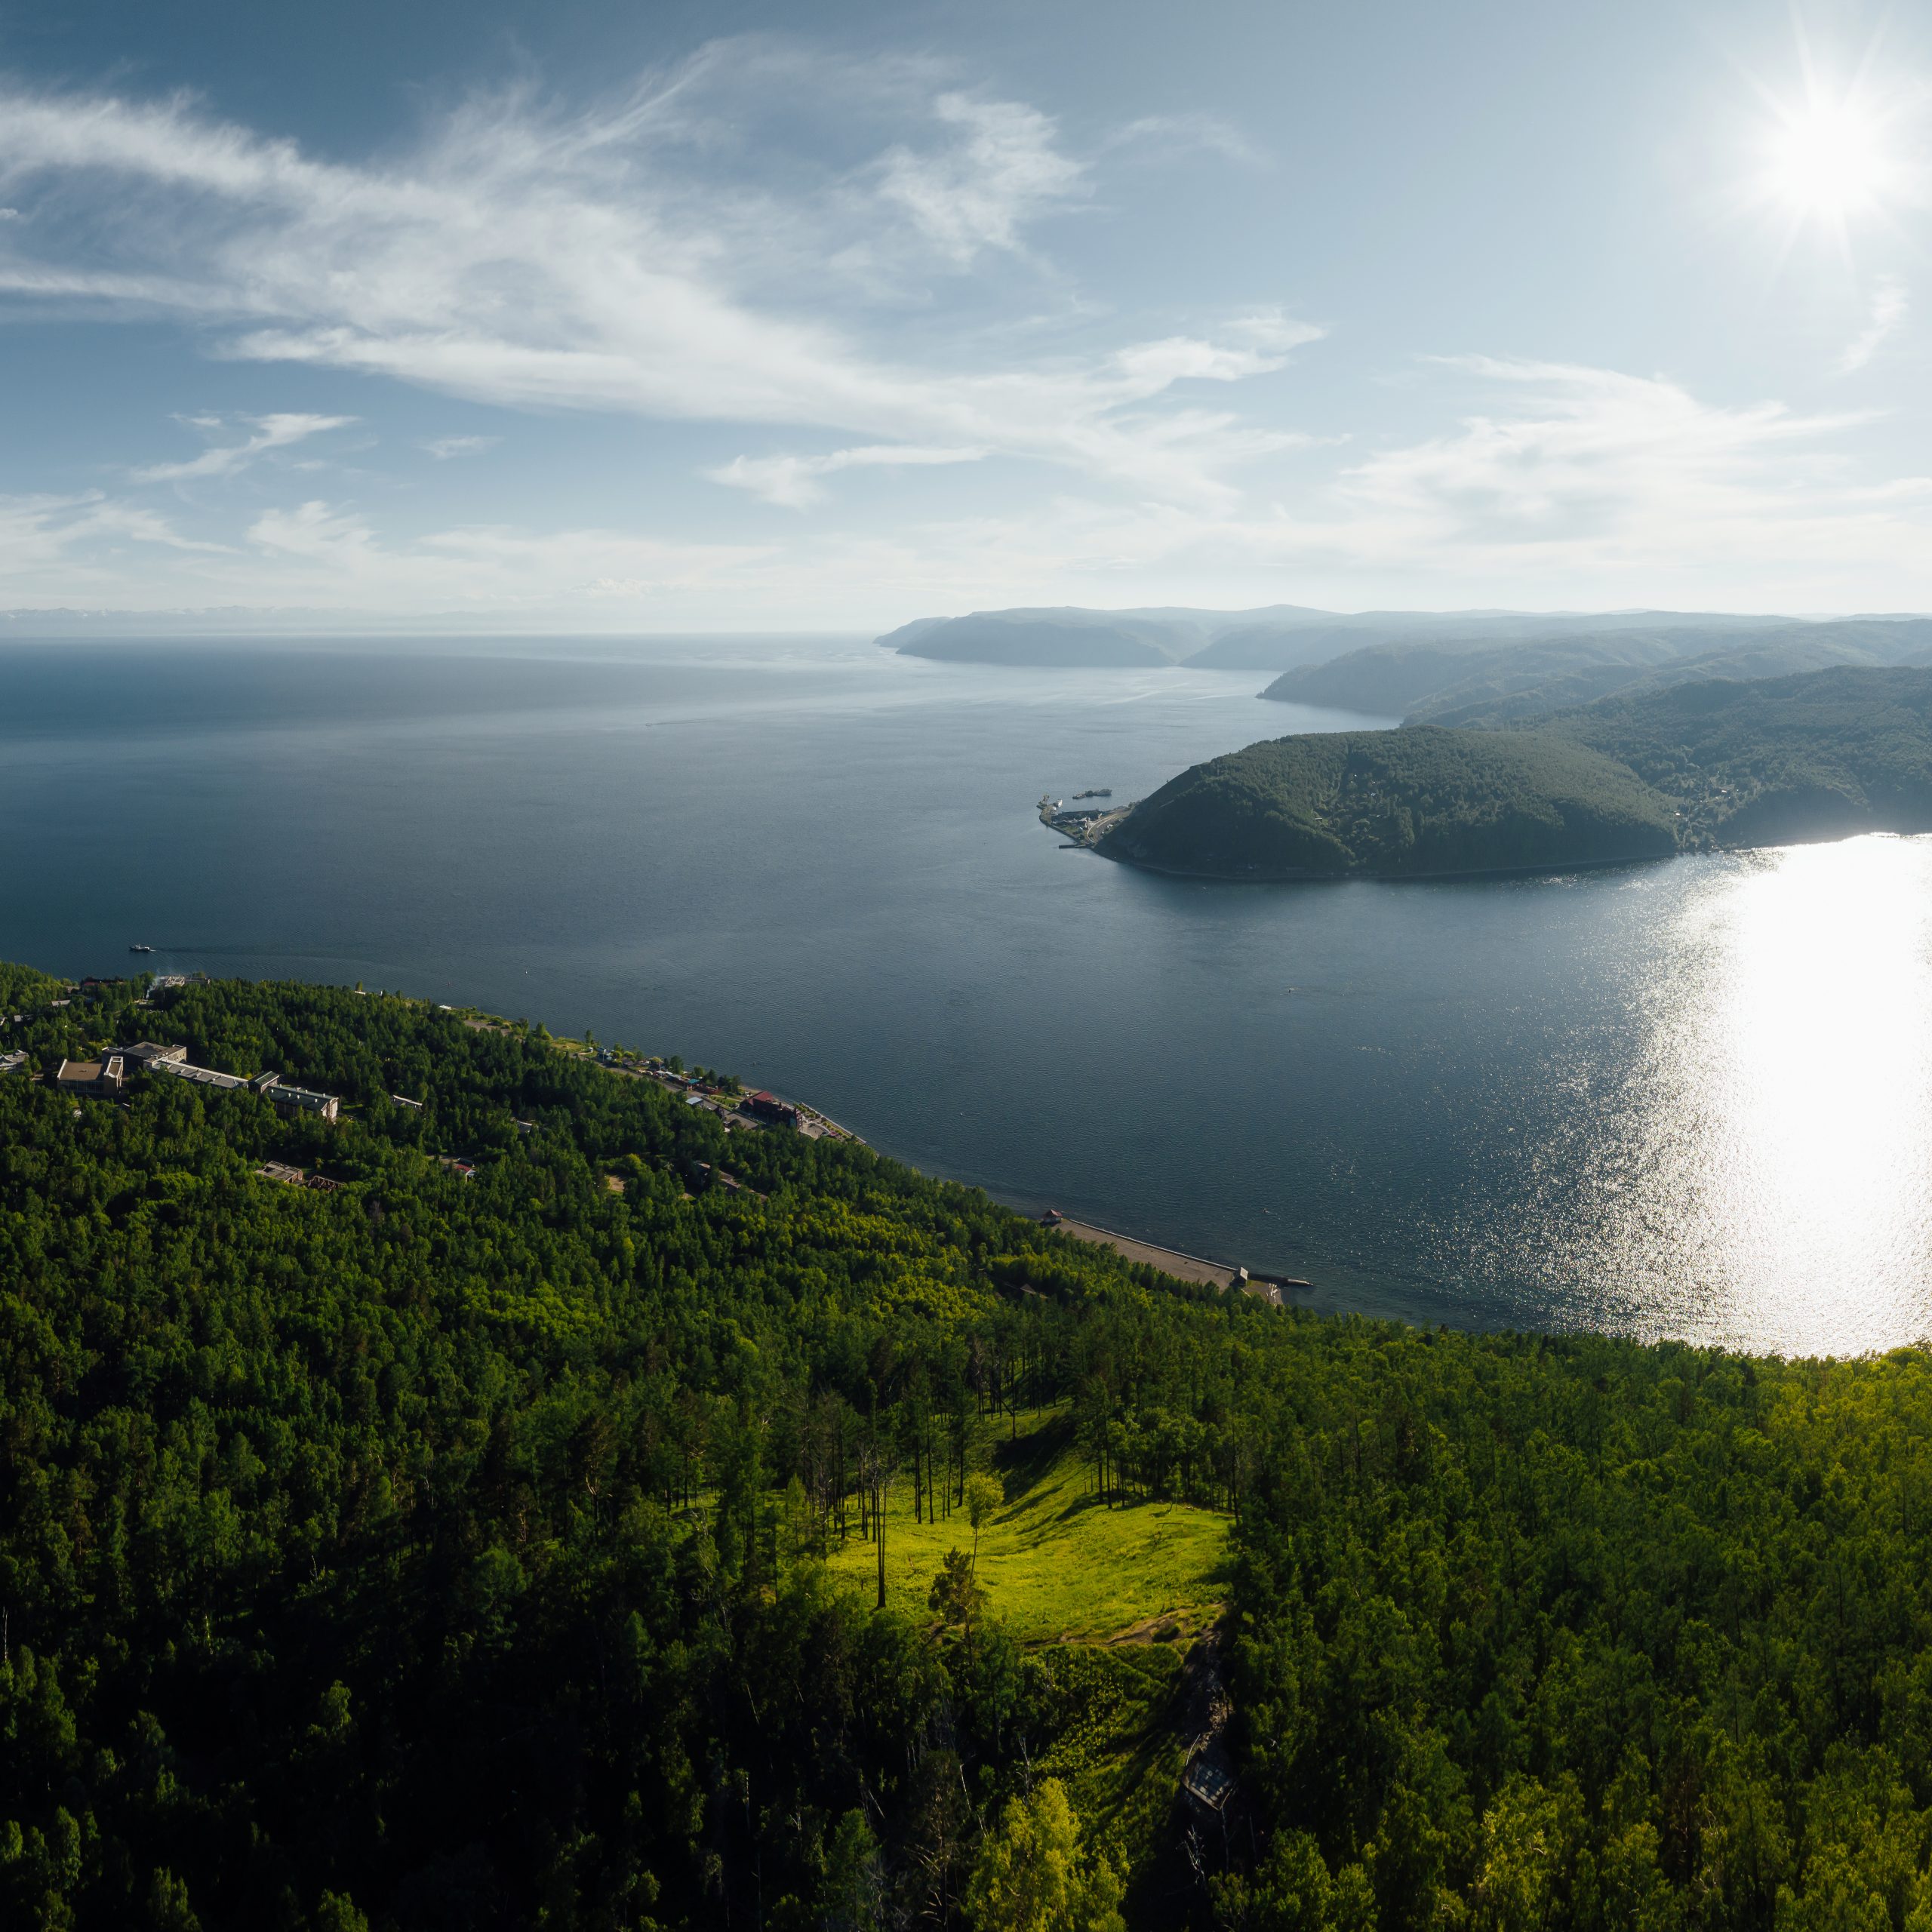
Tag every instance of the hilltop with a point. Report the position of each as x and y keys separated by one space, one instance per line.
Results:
x=1396 y=804
x=1685 y=766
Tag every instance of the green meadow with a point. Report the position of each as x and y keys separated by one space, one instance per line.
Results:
x=1058 y=1565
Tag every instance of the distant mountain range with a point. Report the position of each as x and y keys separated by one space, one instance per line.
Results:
x=1277 y=637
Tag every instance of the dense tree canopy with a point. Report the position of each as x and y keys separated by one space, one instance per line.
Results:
x=1731 y=762
x=1395 y=804
x=1777 y=758
x=443 y=1553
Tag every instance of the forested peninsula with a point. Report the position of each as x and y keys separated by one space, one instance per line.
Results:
x=1714 y=763
x=531 y=1500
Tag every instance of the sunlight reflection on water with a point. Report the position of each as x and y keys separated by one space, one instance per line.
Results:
x=1766 y=1177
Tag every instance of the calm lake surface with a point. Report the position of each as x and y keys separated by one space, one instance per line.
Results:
x=1690 y=1098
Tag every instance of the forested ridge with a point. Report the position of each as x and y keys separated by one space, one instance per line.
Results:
x=1717 y=762
x=1396 y=804
x=1764 y=760
x=437 y=1552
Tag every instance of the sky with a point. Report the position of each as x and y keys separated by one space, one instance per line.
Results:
x=591 y=316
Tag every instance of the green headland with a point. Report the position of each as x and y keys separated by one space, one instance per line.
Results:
x=1691 y=766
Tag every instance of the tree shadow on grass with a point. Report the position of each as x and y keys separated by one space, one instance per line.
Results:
x=1024 y=1464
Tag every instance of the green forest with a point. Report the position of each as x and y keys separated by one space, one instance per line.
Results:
x=1424 y=799
x=1772 y=759
x=678 y=1526
x=1691 y=766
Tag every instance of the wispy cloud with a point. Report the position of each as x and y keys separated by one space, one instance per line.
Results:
x=1554 y=484
x=271 y=432
x=74 y=542
x=442 y=448
x=331 y=554
x=793 y=482
x=1888 y=310
x=1586 y=446
x=523 y=256
x=1167 y=133
x=980 y=192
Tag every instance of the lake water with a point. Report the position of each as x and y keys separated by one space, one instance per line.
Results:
x=1691 y=1099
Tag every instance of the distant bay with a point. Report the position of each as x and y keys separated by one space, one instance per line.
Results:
x=1692 y=1098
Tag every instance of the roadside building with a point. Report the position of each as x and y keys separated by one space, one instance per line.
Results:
x=13 y=1062
x=765 y=1106
x=287 y=1099
x=146 y=1055
x=199 y=1076
x=92 y=1079
x=303 y=1100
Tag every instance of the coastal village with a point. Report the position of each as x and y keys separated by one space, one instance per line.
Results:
x=110 y=1074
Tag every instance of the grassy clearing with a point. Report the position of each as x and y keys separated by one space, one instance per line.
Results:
x=1057 y=1565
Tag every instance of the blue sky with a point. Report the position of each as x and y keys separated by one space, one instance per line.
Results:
x=622 y=318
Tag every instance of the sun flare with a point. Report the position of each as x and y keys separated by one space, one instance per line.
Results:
x=1828 y=159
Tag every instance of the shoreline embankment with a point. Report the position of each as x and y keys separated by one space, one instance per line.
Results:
x=1176 y=1262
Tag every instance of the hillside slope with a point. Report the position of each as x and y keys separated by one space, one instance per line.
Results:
x=1423 y=800
x=1779 y=760
x=421 y=1551
x=436 y=1554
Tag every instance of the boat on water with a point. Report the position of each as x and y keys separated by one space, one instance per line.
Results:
x=141 y=949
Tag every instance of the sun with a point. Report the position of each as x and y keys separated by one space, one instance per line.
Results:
x=1828 y=160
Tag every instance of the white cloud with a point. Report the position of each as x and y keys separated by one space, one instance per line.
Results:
x=792 y=481
x=1570 y=486
x=1582 y=446
x=1888 y=311
x=1556 y=485
x=1003 y=171
x=271 y=432
x=329 y=555
x=68 y=545
x=444 y=447
x=522 y=256
x=1208 y=132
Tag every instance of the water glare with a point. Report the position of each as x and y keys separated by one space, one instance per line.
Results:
x=1768 y=1177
